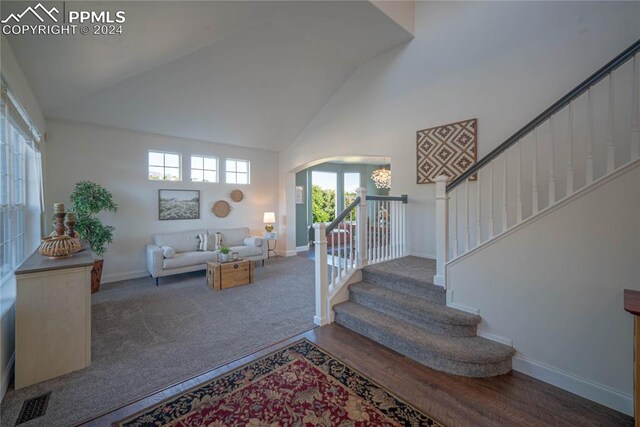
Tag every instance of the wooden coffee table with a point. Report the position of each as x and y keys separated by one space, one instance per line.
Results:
x=224 y=275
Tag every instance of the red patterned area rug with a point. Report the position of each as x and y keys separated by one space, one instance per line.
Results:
x=300 y=385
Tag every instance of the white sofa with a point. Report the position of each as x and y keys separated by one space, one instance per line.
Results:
x=187 y=257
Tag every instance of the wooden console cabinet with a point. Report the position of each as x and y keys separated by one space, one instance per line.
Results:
x=53 y=317
x=632 y=305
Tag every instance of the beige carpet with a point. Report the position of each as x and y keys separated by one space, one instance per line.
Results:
x=147 y=337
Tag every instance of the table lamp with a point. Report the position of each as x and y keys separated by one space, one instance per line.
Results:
x=269 y=219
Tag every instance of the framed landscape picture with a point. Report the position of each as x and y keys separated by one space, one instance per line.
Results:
x=178 y=204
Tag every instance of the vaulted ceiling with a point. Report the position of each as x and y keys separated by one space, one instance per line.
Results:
x=243 y=73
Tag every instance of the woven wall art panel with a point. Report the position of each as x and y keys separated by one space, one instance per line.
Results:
x=446 y=150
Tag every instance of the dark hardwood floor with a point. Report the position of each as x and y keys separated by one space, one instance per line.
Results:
x=509 y=400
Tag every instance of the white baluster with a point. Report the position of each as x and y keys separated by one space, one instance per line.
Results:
x=534 y=193
x=467 y=242
x=370 y=234
x=333 y=258
x=403 y=235
x=340 y=238
x=491 y=216
x=519 y=185
x=552 y=164
x=589 y=169
x=442 y=229
x=322 y=284
x=372 y=231
x=361 y=224
x=570 y=155
x=386 y=230
x=349 y=245
x=505 y=213
x=635 y=109
x=610 y=128
x=377 y=231
x=383 y=230
x=394 y=229
x=454 y=209
x=398 y=228
x=380 y=236
x=478 y=210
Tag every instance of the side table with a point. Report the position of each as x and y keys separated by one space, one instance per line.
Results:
x=268 y=237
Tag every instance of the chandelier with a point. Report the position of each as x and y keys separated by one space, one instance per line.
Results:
x=381 y=177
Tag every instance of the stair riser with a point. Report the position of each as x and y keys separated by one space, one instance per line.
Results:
x=422 y=320
x=422 y=355
x=405 y=285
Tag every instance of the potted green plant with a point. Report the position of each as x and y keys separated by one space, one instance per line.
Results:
x=89 y=199
x=224 y=253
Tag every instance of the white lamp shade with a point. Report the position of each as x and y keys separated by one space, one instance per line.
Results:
x=269 y=218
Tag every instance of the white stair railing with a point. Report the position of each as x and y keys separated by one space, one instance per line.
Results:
x=370 y=230
x=597 y=125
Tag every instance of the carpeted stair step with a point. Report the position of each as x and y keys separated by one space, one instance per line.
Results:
x=396 y=281
x=417 y=310
x=466 y=356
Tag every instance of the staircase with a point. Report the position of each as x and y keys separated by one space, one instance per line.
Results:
x=586 y=137
x=397 y=306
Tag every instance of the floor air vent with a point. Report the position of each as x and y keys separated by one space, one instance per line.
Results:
x=33 y=408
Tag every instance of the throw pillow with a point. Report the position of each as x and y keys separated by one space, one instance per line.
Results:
x=206 y=242
x=168 y=252
x=218 y=241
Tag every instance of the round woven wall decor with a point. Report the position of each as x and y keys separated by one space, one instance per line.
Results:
x=237 y=196
x=221 y=208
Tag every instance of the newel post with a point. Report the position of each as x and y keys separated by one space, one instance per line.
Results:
x=361 y=233
x=322 y=281
x=442 y=229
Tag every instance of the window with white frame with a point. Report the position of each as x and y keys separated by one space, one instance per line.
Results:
x=237 y=171
x=16 y=143
x=164 y=166
x=204 y=169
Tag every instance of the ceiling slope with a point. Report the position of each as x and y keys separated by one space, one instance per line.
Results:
x=243 y=73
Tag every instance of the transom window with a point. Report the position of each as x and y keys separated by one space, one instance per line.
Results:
x=237 y=171
x=164 y=166
x=204 y=169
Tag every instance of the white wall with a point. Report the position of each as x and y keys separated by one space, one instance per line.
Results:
x=12 y=73
x=14 y=77
x=503 y=62
x=117 y=160
x=555 y=288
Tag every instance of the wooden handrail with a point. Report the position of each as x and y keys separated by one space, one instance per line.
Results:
x=404 y=198
x=343 y=215
x=544 y=116
x=336 y=221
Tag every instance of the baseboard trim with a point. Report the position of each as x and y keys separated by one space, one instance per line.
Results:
x=287 y=253
x=7 y=376
x=497 y=338
x=320 y=321
x=581 y=386
x=109 y=278
x=302 y=248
